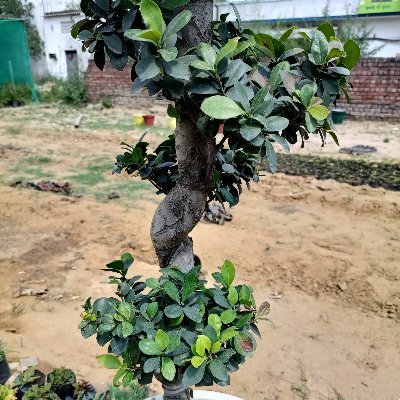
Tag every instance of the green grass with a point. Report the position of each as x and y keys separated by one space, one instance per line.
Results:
x=14 y=130
x=38 y=160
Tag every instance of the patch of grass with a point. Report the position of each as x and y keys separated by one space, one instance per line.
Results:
x=17 y=309
x=87 y=178
x=14 y=130
x=28 y=173
x=38 y=160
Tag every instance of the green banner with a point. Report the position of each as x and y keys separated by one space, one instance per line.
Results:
x=378 y=6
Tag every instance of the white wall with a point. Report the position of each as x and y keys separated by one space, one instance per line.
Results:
x=385 y=27
x=55 y=41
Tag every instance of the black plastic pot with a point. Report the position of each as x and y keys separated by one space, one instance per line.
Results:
x=4 y=371
x=41 y=379
x=64 y=391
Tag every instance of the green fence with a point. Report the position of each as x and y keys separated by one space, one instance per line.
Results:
x=15 y=67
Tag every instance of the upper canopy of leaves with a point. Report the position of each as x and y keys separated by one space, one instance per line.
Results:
x=263 y=90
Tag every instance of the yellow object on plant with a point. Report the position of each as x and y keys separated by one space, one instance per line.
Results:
x=171 y=123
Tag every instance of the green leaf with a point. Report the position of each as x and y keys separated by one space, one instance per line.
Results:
x=126 y=329
x=149 y=347
x=271 y=156
x=319 y=112
x=196 y=361
x=227 y=50
x=176 y=24
x=285 y=35
x=333 y=136
x=148 y=35
x=228 y=316
x=169 y=54
x=152 y=283
x=75 y=28
x=172 y=111
x=172 y=291
x=193 y=313
x=275 y=78
x=173 y=311
x=177 y=69
x=228 y=168
x=307 y=92
x=353 y=54
x=233 y=296
x=152 y=310
x=126 y=310
x=275 y=123
x=109 y=361
x=151 y=364
x=208 y=53
x=339 y=71
x=215 y=347
x=161 y=339
x=215 y=321
x=221 y=107
x=218 y=370
x=203 y=343
x=291 y=53
x=189 y=284
x=147 y=68
x=227 y=335
x=152 y=16
x=242 y=46
x=319 y=48
x=327 y=29
x=249 y=132
x=242 y=95
x=113 y=42
x=244 y=294
x=198 y=64
x=311 y=123
x=168 y=369
x=280 y=140
x=119 y=375
x=228 y=272
x=174 y=342
x=192 y=376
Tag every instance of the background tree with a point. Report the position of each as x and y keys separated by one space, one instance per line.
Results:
x=263 y=90
x=23 y=10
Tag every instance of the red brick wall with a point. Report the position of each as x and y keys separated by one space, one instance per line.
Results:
x=376 y=92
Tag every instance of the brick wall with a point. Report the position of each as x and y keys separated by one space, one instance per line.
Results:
x=376 y=92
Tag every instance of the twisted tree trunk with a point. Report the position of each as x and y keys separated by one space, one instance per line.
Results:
x=182 y=208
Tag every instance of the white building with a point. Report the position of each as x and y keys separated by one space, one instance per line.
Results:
x=383 y=16
x=63 y=55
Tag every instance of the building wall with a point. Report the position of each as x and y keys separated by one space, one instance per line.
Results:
x=376 y=91
x=57 y=38
x=386 y=27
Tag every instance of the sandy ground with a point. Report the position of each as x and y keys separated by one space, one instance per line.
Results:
x=326 y=255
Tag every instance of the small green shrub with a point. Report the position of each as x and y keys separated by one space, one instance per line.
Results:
x=73 y=91
x=26 y=377
x=7 y=393
x=106 y=101
x=61 y=376
x=11 y=95
x=40 y=392
x=131 y=392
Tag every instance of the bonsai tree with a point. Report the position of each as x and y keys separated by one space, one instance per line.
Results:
x=176 y=327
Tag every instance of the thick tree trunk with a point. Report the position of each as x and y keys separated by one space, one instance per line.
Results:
x=183 y=207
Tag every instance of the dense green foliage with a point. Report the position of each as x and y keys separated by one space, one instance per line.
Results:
x=24 y=10
x=61 y=376
x=179 y=326
x=255 y=84
x=26 y=377
x=13 y=95
x=44 y=392
x=131 y=392
x=7 y=393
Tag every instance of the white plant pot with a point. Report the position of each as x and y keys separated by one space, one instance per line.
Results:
x=204 y=395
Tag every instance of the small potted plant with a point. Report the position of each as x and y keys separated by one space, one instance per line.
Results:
x=182 y=331
x=44 y=392
x=62 y=381
x=26 y=379
x=7 y=393
x=131 y=392
x=84 y=390
x=4 y=368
